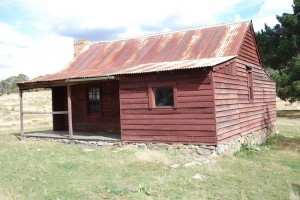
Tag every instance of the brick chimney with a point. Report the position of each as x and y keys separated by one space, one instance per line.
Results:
x=79 y=45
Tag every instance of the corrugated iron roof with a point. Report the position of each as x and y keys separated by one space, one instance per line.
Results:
x=186 y=49
x=142 y=68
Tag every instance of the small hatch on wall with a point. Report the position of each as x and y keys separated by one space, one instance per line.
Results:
x=250 y=82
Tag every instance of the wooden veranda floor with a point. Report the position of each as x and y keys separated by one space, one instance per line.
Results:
x=86 y=136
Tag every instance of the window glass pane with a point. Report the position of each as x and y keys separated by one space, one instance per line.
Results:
x=163 y=96
x=94 y=103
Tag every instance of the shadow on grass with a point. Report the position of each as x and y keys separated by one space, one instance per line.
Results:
x=281 y=142
x=40 y=130
x=296 y=189
x=277 y=143
x=290 y=114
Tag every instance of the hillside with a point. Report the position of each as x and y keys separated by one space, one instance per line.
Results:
x=33 y=101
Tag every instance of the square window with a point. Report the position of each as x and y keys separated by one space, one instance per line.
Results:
x=94 y=101
x=163 y=96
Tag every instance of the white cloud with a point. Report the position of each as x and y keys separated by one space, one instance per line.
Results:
x=129 y=14
x=32 y=56
x=268 y=11
x=237 y=18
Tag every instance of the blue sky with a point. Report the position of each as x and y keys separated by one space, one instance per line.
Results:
x=36 y=36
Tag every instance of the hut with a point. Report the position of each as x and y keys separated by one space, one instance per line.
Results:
x=202 y=86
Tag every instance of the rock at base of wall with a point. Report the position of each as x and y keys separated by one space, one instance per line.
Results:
x=254 y=138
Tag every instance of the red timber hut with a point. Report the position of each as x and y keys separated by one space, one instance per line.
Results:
x=203 y=85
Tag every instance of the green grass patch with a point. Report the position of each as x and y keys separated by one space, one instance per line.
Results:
x=248 y=150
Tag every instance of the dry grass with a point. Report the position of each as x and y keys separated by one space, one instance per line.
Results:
x=288 y=122
x=283 y=105
x=288 y=118
x=151 y=156
x=294 y=196
x=33 y=101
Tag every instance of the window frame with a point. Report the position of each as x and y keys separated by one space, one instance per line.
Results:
x=94 y=115
x=250 y=83
x=151 y=96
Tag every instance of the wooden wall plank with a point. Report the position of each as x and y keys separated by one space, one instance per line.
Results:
x=170 y=139
x=201 y=133
x=169 y=111
x=190 y=121
x=168 y=116
x=182 y=127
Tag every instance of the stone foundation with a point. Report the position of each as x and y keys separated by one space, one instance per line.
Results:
x=254 y=138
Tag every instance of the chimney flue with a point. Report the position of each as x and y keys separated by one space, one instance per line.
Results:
x=79 y=45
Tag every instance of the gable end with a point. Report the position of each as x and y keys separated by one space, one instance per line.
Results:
x=248 y=50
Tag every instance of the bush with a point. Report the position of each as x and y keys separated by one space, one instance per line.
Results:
x=247 y=150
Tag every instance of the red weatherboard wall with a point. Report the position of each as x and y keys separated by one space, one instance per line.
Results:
x=109 y=121
x=192 y=122
x=235 y=114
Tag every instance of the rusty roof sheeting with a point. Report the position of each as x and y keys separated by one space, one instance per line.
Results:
x=168 y=51
x=143 y=68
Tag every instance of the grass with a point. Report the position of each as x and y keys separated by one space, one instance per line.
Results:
x=50 y=170
x=289 y=122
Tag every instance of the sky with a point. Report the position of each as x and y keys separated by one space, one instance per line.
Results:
x=36 y=36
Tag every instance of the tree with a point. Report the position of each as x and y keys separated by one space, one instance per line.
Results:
x=3 y=87
x=280 y=49
x=9 y=85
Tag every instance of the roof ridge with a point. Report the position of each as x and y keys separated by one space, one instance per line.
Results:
x=170 y=32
